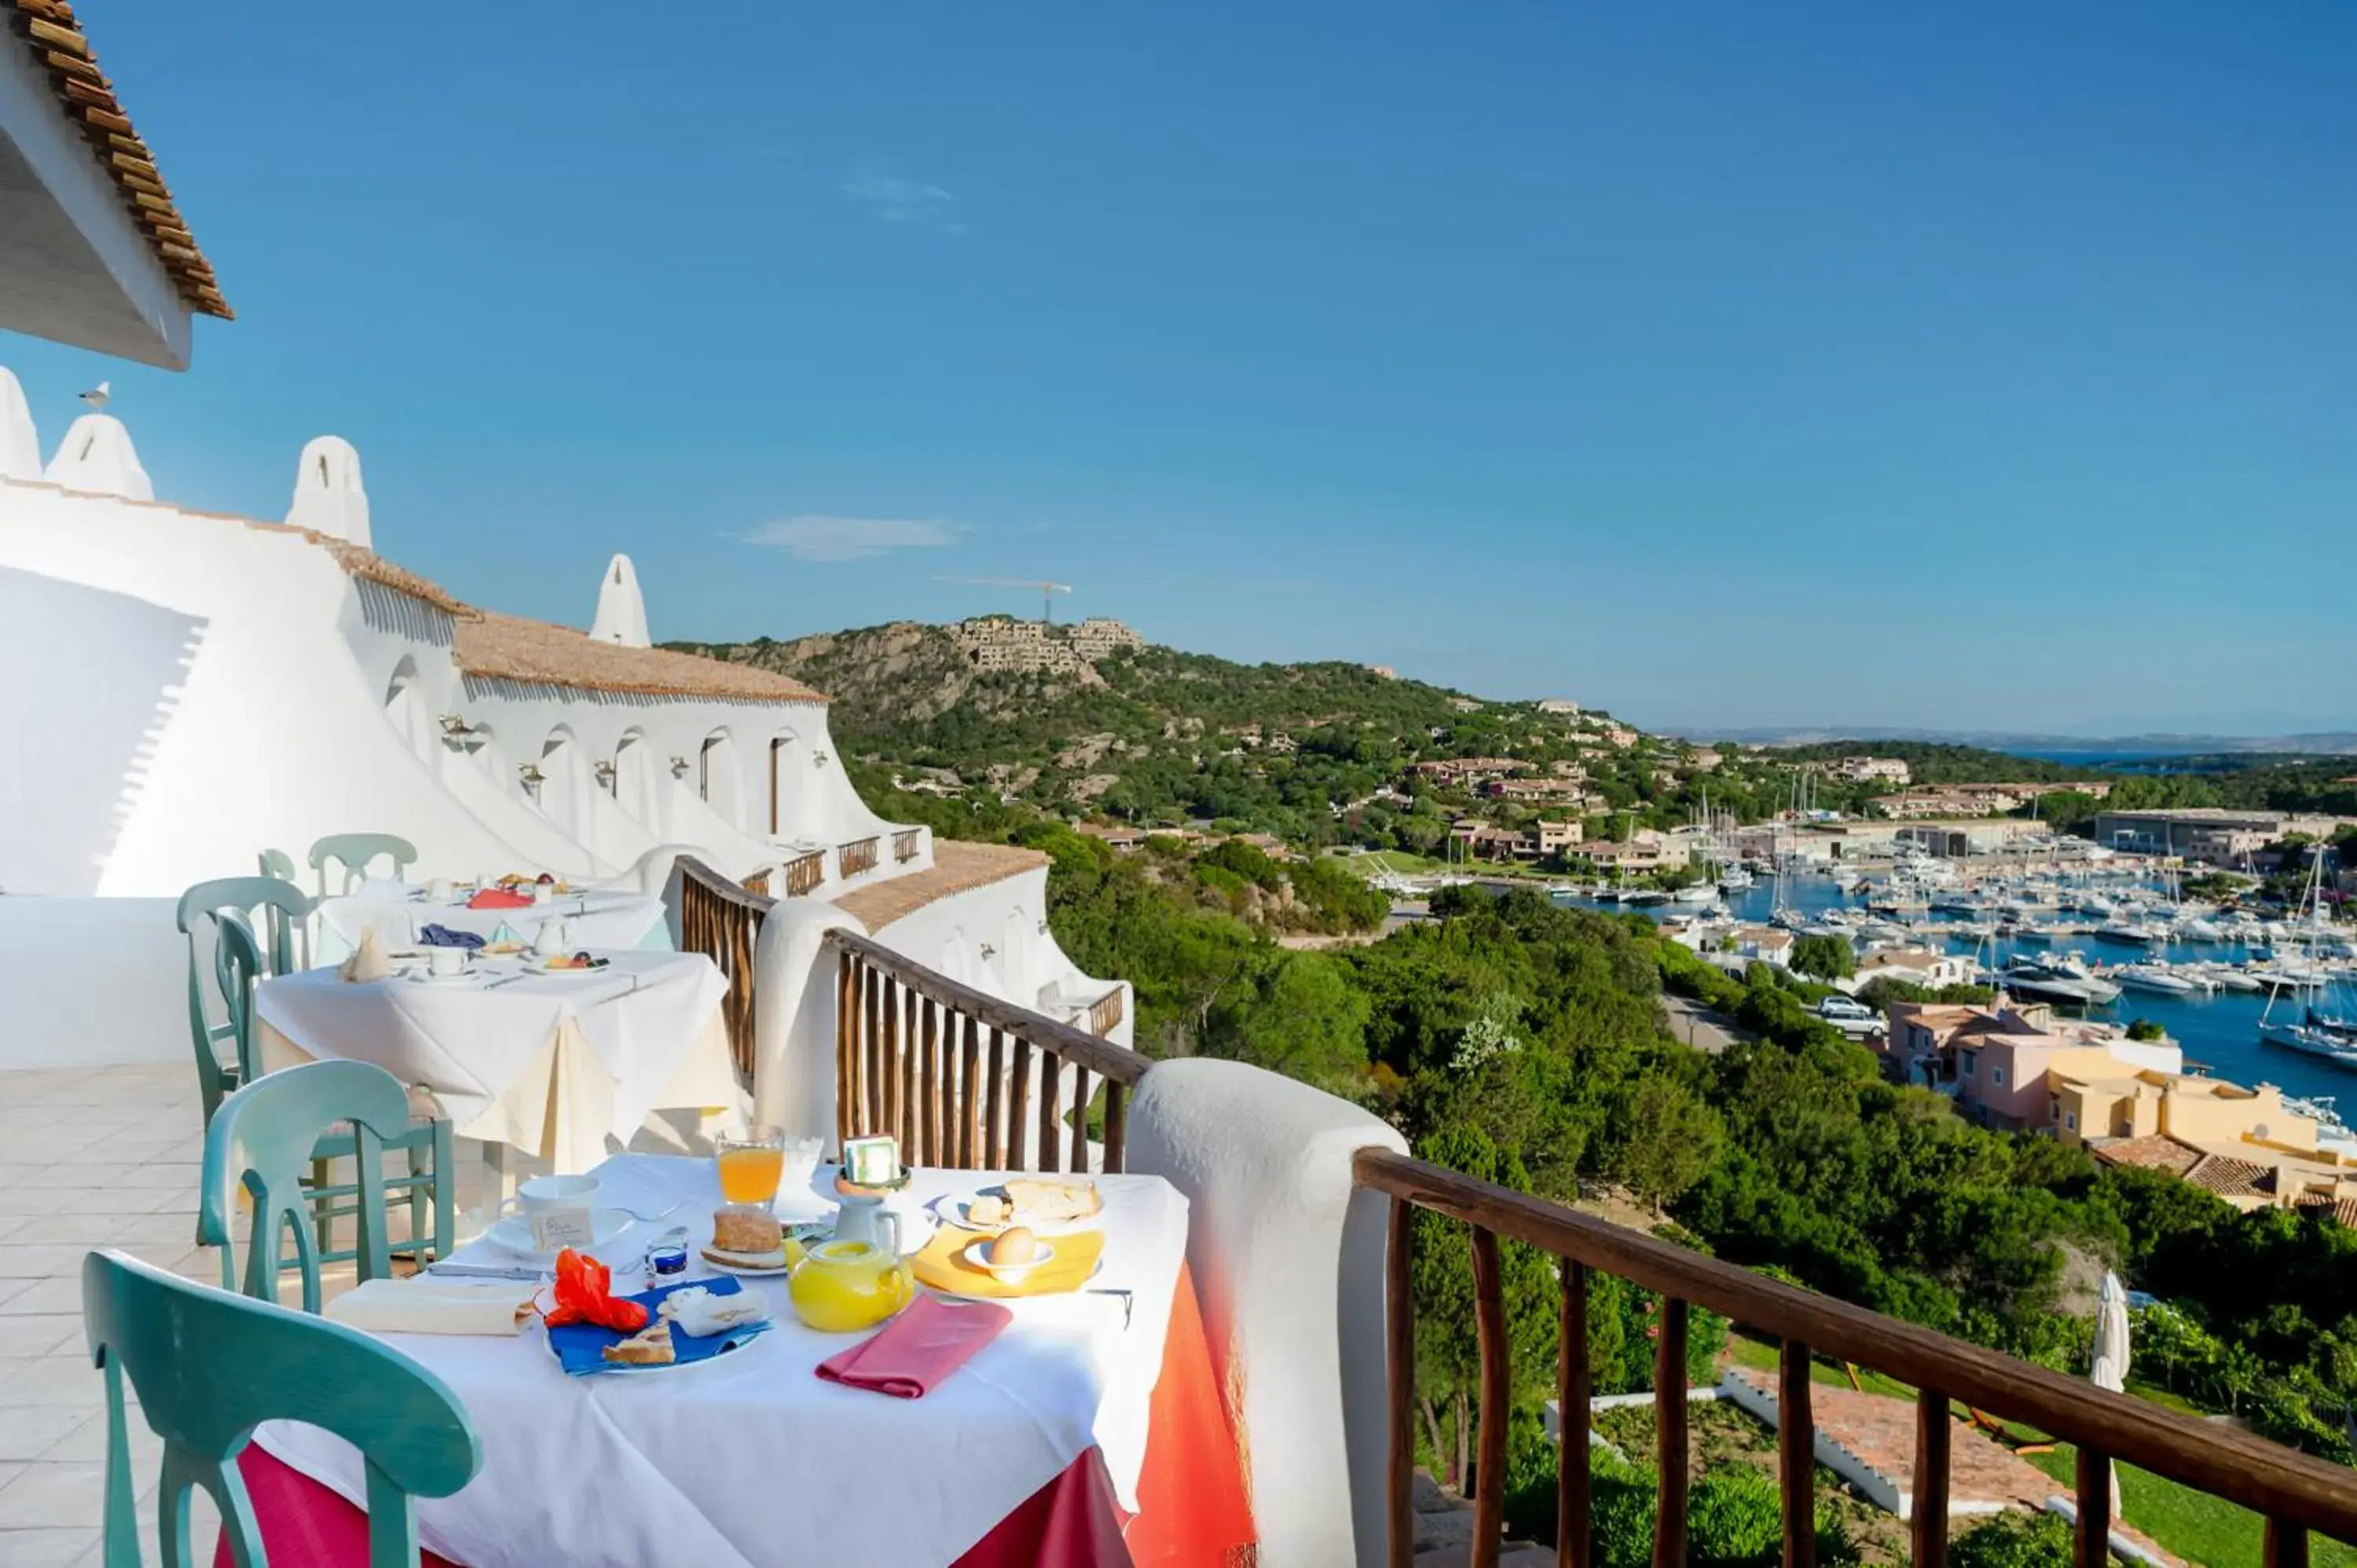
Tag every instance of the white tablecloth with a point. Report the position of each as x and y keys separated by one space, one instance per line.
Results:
x=600 y=917
x=552 y=1064
x=751 y=1460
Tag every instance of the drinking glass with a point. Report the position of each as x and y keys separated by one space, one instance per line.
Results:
x=751 y=1163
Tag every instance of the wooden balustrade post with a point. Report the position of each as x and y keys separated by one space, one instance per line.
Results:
x=1016 y=1118
x=995 y=1114
x=1796 y=1460
x=910 y=1112
x=2095 y=1528
x=892 y=1108
x=871 y=1018
x=1080 y=1120
x=1399 y=1349
x=1669 y=1433
x=1489 y=1461
x=1116 y=1138
x=846 y=1034
x=1051 y=1145
x=969 y=1152
x=1930 y=1502
x=2286 y=1544
x=928 y=1087
x=1574 y=1530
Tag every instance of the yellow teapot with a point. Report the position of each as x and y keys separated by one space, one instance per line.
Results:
x=842 y=1286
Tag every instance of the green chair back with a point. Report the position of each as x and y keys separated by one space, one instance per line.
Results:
x=226 y=974
x=353 y=851
x=279 y=864
x=207 y=1368
x=263 y=1141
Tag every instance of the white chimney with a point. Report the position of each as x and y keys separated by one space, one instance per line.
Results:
x=328 y=497
x=97 y=455
x=621 y=608
x=20 y=444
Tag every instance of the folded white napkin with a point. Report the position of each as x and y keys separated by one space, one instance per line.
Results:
x=699 y=1312
x=367 y=961
x=434 y=1306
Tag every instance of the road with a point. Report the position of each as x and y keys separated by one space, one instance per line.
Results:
x=1700 y=1027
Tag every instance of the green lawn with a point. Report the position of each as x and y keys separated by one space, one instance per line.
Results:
x=2193 y=1525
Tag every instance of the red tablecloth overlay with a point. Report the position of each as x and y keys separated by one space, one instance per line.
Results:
x=1190 y=1494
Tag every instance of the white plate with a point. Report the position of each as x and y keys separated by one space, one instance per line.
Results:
x=979 y=1256
x=951 y=1208
x=539 y=965
x=514 y=1233
x=739 y=1270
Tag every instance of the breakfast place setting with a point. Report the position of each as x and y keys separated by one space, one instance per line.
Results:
x=760 y=1356
x=494 y=909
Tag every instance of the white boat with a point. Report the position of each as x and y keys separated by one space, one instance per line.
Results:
x=1696 y=893
x=2130 y=930
x=2161 y=981
x=2226 y=977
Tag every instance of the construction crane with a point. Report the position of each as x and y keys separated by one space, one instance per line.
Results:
x=1046 y=590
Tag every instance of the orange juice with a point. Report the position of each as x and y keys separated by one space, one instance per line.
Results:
x=751 y=1175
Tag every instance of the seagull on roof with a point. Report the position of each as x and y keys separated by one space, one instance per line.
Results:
x=96 y=397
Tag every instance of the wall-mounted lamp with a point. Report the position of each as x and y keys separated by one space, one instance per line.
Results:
x=679 y=767
x=455 y=726
x=818 y=759
x=1043 y=925
x=988 y=952
x=532 y=776
x=605 y=772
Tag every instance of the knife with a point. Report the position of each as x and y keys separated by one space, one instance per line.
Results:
x=484 y=1271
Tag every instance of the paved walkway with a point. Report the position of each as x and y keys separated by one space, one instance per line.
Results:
x=1699 y=1026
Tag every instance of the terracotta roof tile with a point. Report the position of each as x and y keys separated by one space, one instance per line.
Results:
x=2155 y=1154
x=958 y=867
x=2231 y=1177
x=54 y=38
x=509 y=648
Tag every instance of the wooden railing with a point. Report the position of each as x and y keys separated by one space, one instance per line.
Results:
x=857 y=856
x=804 y=873
x=952 y=1072
x=721 y=920
x=2293 y=1492
x=1104 y=1013
x=904 y=844
x=757 y=884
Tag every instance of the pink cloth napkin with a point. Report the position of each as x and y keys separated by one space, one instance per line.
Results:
x=917 y=1350
x=498 y=899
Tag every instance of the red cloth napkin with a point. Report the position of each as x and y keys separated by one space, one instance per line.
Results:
x=498 y=899
x=919 y=1349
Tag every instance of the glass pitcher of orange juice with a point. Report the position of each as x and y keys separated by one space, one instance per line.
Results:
x=751 y=1163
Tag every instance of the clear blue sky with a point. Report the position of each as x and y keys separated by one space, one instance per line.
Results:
x=1964 y=365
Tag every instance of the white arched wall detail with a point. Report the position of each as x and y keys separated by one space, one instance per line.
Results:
x=564 y=782
x=785 y=753
x=718 y=778
x=404 y=709
x=634 y=778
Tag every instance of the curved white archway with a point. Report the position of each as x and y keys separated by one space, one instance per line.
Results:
x=785 y=753
x=404 y=709
x=719 y=780
x=565 y=784
x=634 y=778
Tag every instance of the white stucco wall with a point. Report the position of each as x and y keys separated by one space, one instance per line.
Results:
x=1287 y=1256
x=92 y=982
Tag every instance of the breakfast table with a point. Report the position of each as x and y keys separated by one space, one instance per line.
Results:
x=1089 y=1433
x=552 y=1062
x=400 y=912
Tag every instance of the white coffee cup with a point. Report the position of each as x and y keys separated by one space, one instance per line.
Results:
x=543 y=1193
x=445 y=961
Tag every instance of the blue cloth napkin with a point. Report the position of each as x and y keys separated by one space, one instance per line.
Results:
x=444 y=937
x=581 y=1347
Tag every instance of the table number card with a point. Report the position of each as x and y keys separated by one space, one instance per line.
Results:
x=555 y=1229
x=872 y=1161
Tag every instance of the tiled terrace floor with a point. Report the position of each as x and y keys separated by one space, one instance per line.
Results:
x=89 y=1158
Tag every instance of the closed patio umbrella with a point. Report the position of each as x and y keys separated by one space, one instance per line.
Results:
x=2111 y=1360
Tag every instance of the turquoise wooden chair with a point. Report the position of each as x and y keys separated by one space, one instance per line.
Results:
x=354 y=852
x=209 y=909
x=236 y=965
x=209 y=1368
x=279 y=864
x=259 y=1143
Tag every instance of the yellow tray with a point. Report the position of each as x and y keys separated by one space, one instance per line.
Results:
x=941 y=1265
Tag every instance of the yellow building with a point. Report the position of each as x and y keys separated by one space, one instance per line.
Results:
x=2240 y=1143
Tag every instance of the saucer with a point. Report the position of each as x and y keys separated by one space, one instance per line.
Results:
x=514 y=1233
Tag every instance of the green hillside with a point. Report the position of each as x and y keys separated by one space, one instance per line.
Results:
x=1148 y=735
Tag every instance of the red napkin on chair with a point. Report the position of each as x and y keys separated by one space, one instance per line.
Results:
x=919 y=1349
x=498 y=899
